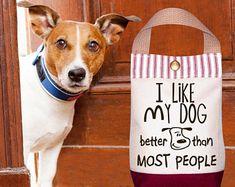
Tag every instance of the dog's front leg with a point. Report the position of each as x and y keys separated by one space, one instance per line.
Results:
x=47 y=165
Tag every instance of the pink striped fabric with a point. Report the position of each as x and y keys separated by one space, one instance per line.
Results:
x=158 y=66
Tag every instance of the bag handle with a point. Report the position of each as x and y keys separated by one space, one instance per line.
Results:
x=174 y=16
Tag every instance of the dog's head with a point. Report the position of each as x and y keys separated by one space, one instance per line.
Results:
x=178 y=140
x=74 y=51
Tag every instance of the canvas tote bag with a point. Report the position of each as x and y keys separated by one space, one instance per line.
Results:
x=176 y=129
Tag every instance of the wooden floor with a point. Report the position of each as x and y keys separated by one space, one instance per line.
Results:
x=109 y=167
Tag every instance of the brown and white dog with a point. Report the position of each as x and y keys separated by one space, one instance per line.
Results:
x=73 y=53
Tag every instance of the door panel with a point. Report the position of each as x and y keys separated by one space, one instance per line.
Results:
x=173 y=40
x=12 y=169
x=101 y=120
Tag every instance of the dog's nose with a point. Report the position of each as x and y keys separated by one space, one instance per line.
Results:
x=181 y=141
x=77 y=75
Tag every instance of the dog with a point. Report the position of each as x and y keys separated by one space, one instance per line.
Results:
x=178 y=140
x=55 y=76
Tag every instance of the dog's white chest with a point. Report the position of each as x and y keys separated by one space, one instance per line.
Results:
x=46 y=121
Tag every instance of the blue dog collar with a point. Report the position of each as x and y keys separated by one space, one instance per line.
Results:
x=48 y=83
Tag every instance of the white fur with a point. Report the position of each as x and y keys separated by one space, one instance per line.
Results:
x=46 y=122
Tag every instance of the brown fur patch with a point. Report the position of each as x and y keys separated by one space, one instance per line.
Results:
x=93 y=60
x=57 y=59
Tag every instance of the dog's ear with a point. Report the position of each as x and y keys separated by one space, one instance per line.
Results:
x=43 y=19
x=113 y=25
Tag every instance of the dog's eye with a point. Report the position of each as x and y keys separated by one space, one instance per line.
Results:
x=93 y=46
x=61 y=44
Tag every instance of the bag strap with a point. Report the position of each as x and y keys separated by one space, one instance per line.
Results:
x=174 y=16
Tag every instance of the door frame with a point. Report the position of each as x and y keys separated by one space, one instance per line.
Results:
x=12 y=169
